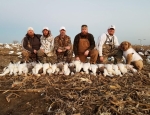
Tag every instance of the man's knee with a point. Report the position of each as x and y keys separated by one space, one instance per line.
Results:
x=68 y=54
x=94 y=53
x=51 y=59
x=26 y=53
x=83 y=58
x=40 y=53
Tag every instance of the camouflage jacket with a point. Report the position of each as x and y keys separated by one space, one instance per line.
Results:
x=47 y=43
x=61 y=43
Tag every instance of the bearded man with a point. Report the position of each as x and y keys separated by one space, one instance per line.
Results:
x=46 y=52
x=84 y=46
x=30 y=44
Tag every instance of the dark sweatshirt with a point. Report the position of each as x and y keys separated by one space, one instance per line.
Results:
x=34 y=42
x=76 y=42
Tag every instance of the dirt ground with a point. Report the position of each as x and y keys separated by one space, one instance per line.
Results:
x=69 y=95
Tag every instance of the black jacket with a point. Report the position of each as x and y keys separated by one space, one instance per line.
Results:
x=34 y=42
x=76 y=42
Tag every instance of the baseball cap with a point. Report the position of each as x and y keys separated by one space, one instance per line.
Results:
x=111 y=26
x=62 y=28
x=30 y=28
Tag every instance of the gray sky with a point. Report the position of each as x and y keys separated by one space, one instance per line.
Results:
x=131 y=18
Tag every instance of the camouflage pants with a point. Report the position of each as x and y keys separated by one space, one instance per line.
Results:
x=117 y=54
x=46 y=59
x=28 y=56
x=65 y=56
x=51 y=59
x=40 y=56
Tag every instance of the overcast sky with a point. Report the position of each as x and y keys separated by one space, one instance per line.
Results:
x=131 y=18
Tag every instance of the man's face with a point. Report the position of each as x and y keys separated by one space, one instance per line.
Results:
x=84 y=30
x=30 y=32
x=62 y=32
x=45 y=32
x=111 y=31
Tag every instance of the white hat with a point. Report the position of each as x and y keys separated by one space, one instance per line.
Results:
x=30 y=28
x=46 y=28
x=62 y=28
x=112 y=26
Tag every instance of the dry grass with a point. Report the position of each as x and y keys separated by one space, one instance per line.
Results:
x=80 y=94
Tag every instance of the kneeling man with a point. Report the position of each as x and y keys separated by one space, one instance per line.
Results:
x=84 y=46
x=63 y=46
x=31 y=44
x=46 y=52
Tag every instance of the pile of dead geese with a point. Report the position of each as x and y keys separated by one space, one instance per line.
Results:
x=66 y=68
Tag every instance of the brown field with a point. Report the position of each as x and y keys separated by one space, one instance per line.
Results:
x=68 y=95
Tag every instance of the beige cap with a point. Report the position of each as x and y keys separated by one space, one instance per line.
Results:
x=46 y=28
x=30 y=28
x=111 y=26
x=62 y=28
